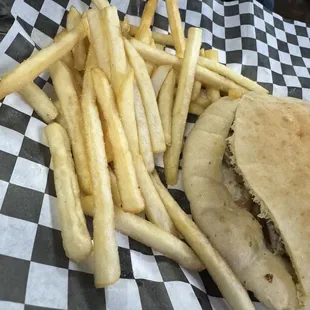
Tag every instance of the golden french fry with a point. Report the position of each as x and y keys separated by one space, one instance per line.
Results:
x=76 y=239
x=231 y=74
x=125 y=27
x=176 y=26
x=106 y=259
x=98 y=40
x=154 y=207
x=204 y=75
x=195 y=108
x=71 y=111
x=115 y=190
x=152 y=236
x=181 y=104
x=165 y=104
x=202 y=100
x=221 y=273
x=145 y=145
x=161 y=38
x=39 y=101
x=132 y=200
x=126 y=108
x=148 y=98
x=197 y=84
x=235 y=93
x=29 y=69
x=159 y=76
x=60 y=118
x=79 y=51
x=88 y=205
x=115 y=43
x=101 y=4
x=147 y=17
x=160 y=46
x=68 y=58
x=212 y=93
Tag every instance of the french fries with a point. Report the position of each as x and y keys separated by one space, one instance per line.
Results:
x=98 y=40
x=115 y=43
x=160 y=38
x=101 y=4
x=115 y=191
x=165 y=104
x=150 y=235
x=154 y=208
x=79 y=51
x=221 y=273
x=131 y=197
x=71 y=111
x=75 y=236
x=147 y=17
x=204 y=75
x=181 y=104
x=158 y=77
x=29 y=69
x=202 y=99
x=126 y=108
x=39 y=101
x=148 y=98
x=231 y=75
x=145 y=145
x=106 y=259
x=176 y=26
x=197 y=84
x=68 y=58
x=196 y=109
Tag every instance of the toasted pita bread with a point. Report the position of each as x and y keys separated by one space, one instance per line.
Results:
x=271 y=147
x=233 y=231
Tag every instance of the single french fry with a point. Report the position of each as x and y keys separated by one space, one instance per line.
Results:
x=235 y=94
x=79 y=51
x=39 y=101
x=212 y=93
x=115 y=190
x=161 y=38
x=29 y=69
x=115 y=43
x=125 y=27
x=149 y=234
x=148 y=98
x=195 y=108
x=71 y=111
x=197 y=84
x=147 y=16
x=159 y=76
x=60 y=118
x=203 y=101
x=145 y=145
x=68 y=58
x=106 y=259
x=204 y=75
x=231 y=74
x=76 y=239
x=181 y=104
x=98 y=40
x=126 y=108
x=154 y=207
x=88 y=205
x=221 y=273
x=165 y=104
x=161 y=47
x=101 y=4
x=176 y=26
x=132 y=200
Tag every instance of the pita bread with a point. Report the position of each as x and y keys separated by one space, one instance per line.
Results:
x=233 y=231
x=271 y=147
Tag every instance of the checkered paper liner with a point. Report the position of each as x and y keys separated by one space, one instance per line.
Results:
x=34 y=271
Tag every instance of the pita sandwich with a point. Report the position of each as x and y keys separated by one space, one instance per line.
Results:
x=266 y=243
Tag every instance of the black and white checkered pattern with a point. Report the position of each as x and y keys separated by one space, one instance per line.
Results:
x=35 y=273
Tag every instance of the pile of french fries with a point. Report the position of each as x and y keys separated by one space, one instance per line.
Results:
x=121 y=99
